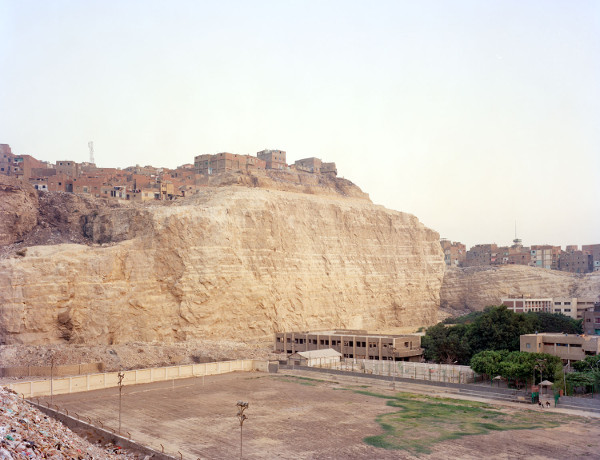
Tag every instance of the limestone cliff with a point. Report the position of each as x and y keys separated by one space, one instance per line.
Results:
x=474 y=288
x=232 y=262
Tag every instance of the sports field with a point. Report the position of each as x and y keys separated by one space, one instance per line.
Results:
x=295 y=416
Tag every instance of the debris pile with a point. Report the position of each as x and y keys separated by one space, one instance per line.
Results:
x=27 y=433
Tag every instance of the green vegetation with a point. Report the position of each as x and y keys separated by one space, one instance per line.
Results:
x=518 y=367
x=301 y=380
x=587 y=377
x=420 y=421
x=495 y=328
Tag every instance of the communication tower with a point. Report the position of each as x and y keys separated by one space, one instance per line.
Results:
x=91 y=146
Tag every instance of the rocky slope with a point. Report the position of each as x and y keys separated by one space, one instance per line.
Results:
x=233 y=262
x=474 y=288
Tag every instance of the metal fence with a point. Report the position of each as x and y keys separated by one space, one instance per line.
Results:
x=447 y=373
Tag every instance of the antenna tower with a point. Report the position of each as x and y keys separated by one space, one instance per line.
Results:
x=91 y=146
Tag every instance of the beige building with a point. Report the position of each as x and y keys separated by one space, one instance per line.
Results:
x=274 y=159
x=568 y=306
x=321 y=358
x=357 y=344
x=568 y=347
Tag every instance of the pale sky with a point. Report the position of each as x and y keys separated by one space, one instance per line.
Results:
x=469 y=114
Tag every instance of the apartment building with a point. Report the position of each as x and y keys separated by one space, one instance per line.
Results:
x=525 y=305
x=68 y=168
x=357 y=344
x=223 y=162
x=576 y=262
x=591 y=321
x=274 y=159
x=455 y=253
x=594 y=250
x=568 y=347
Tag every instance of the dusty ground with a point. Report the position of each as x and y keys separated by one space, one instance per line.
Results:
x=300 y=418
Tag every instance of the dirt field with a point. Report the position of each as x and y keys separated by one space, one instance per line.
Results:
x=292 y=416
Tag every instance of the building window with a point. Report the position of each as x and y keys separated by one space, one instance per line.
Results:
x=528 y=345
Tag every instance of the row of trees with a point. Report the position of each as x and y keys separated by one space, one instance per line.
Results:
x=495 y=328
x=586 y=375
x=517 y=367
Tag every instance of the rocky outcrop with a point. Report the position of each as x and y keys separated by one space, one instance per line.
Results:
x=474 y=288
x=233 y=262
x=18 y=209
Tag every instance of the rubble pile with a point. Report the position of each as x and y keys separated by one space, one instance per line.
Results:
x=27 y=433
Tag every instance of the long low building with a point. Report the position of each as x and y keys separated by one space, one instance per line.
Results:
x=568 y=306
x=568 y=347
x=357 y=344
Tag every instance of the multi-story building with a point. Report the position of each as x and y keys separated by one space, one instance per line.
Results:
x=357 y=344
x=545 y=256
x=591 y=321
x=6 y=159
x=568 y=347
x=223 y=162
x=525 y=305
x=594 y=250
x=569 y=306
x=454 y=252
x=312 y=165
x=480 y=254
x=68 y=168
x=576 y=262
x=274 y=159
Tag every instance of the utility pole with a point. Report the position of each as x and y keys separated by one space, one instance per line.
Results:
x=121 y=376
x=242 y=406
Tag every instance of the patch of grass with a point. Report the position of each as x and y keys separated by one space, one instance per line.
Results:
x=301 y=380
x=421 y=421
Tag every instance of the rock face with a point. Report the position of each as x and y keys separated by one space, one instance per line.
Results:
x=233 y=262
x=18 y=209
x=474 y=288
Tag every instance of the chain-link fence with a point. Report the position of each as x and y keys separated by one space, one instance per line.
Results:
x=448 y=373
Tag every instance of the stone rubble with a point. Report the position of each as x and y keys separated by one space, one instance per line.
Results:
x=27 y=433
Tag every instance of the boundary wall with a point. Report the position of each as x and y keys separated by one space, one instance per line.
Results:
x=47 y=371
x=67 y=385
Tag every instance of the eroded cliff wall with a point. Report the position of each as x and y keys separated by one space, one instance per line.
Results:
x=474 y=288
x=233 y=262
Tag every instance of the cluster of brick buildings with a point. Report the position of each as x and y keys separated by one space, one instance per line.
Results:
x=265 y=159
x=572 y=259
x=142 y=183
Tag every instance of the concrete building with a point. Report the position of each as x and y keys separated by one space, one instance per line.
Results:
x=568 y=347
x=455 y=253
x=576 y=262
x=223 y=162
x=357 y=344
x=524 y=305
x=591 y=321
x=480 y=254
x=594 y=250
x=568 y=306
x=327 y=357
x=274 y=159
x=68 y=168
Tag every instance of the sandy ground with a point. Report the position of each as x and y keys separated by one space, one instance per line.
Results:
x=291 y=418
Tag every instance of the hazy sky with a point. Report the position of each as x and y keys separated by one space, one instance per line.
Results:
x=469 y=114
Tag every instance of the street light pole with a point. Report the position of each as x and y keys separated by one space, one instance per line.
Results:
x=242 y=406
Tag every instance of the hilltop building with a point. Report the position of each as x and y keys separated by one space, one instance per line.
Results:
x=274 y=159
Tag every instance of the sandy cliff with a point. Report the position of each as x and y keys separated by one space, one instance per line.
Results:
x=474 y=288
x=232 y=262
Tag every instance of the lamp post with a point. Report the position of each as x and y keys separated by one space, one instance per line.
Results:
x=242 y=406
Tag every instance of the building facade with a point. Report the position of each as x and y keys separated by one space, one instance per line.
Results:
x=568 y=347
x=274 y=159
x=357 y=344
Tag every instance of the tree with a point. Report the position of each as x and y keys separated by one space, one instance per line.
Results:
x=488 y=362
